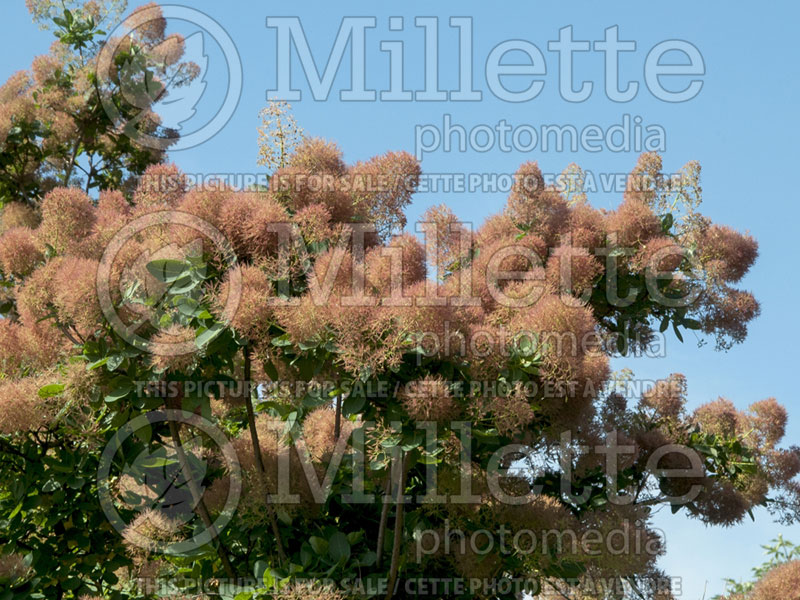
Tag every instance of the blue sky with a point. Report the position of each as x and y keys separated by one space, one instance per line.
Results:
x=741 y=126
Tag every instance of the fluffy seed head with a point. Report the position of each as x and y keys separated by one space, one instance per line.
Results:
x=317 y=156
x=381 y=188
x=12 y=567
x=18 y=214
x=19 y=251
x=147 y=21
x=726 y=253
x=668 y=397
x=400 y=264
x=35 y=296
x=531 y=203
x=572 y=270
x=206 y=202
x=781 y=582
x=319 y=429
x=148 y=531
x=21 y=407
x=721 y=504
x=75 y=294
x=314 y=222
x=659 y=254
x=166 y=360
x=429 y=399
x=512 y=413
x=719 y=417
x=769 y=420
x=170 y=50
x=560 y=330
x=634 y=223
x=251 y=221
x=67 y=219
x=254 y=312
x=728 y=314
x=160 y=186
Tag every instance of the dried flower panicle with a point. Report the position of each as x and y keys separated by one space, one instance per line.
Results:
x=13 y=567
x=18 y=214
x=542 y=210
x=160 y=186
x=430 y=399
x=19 y=251
x=22 y=409
x=150 y=531
x=173 y=349
x=667 y=398
x=278 y=136
x=726 y=253
x=781 y=582
x=67 y=219
x=319 y=433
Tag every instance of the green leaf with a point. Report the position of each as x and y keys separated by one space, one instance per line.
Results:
x=353 y=404
x=167 y=270
x=677 y=332
x=622 y=343
x=49 y=391
x=269 y=579
x=96 y=364
x=189 y=307
x=271 y=371
x=114 y=361
x=282 y=340
x=691 y=324
x=121 y=386
x=666 y=222
x=156 y=462
x=291 y=421
x=259 y=568
x=305 y=556
x=51 y=486
x=313 y=400
x=144 y=433
x=183 y=285
x=339 y=547
x=354 y=537
x=391 y=442
x=15 y=511
x=209 y=335
x=319 y=545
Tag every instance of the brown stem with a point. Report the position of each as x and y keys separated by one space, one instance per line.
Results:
x=337 y=424
x=251 y=420
x=398 y=530
x=384 y=521
x=197 y=497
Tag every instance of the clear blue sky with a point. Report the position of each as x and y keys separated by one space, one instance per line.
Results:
x=742 y=127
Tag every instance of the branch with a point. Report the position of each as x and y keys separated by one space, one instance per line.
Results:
x=197 y=497
x=251 y=421
x=337 y=426
x=383 y=522
x=398 y=528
